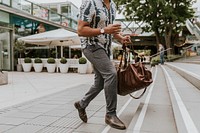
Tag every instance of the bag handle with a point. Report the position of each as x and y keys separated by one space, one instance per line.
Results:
x=124 y=51
x=125 y=59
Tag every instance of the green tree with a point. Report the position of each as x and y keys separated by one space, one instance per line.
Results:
x=166 y=18
x=20 y=47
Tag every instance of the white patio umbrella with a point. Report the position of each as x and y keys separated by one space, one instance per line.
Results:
x=59 y=37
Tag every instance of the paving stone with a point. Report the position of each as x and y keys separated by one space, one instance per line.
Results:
x=90 y=128
x=25 y=105
x=55 y=102
x=50 y=106
x=94 y=107
x=37 y=110
x=56 y=130
x=67 y=123
x=67 y=106
x=42 y=120
x=12 y=121
x=25 y=129
x=74 y=114
x=20 y=114
x=7 y=113
x=58 y=112
x=99 y=114
x=5 y=128
x=97 y=120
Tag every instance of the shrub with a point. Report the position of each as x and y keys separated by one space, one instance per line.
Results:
x=173 y=57
x=37 y=60
x=155 y=61
x=27 y=60
x=82 y=60
x=63 y=60
x=51 y=60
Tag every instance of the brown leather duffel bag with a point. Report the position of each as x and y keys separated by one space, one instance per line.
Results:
x=133 y=77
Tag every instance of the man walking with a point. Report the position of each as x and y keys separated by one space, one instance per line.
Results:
x=162 y=53
x=95 y=26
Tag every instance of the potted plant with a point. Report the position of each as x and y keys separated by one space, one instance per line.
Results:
x=82 y=68
x=27 y=65
x=20 y=47
x=63 y=65
x=51 y=65
x=38 y=65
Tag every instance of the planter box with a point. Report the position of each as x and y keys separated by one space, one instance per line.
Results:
x=38 y=67
x=27 y=67
x=82 y=68
x=64 y=68
x=51 y=68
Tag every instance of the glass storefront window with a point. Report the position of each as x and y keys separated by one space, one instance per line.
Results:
x=53 y=8
x=26 y=6
x=40 y=12
x=23 y=26
x=65 y=10
x=6 y=2
x=55 y=17
x=16 y=4
x=4 y=17
x=74 y=12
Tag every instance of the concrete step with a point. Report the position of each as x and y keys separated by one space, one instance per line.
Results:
x=192 y=60
x=127 y=111
x=155 y=112
x=191 y=72
x=185 y=101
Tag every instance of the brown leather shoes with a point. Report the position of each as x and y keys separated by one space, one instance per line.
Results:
x=114 y=122
x=81 y=112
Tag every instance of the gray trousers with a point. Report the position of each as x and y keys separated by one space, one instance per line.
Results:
x=105 y=78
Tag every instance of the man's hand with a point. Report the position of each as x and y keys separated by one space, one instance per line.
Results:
x=125 y=40
x=113 y=29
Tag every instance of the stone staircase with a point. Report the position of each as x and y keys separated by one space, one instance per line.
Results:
x=170 y=105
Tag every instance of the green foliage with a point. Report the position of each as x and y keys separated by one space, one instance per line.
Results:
x=63 y=60
x=20 y=47
x=173 y=57
x=37 y=60
x=27 y=60
x=164 y=17
x=51 y=60
x=155 y=60
x=82 y=60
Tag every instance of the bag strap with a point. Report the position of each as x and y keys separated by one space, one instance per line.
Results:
x=124 y=53
x=139 y=95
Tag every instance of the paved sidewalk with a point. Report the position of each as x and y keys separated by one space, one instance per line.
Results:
x=43 y=103
x=28 y=86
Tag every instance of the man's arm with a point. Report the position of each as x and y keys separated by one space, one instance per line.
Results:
x=85 y=30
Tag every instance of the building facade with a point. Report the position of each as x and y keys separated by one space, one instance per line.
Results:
x=20 y=18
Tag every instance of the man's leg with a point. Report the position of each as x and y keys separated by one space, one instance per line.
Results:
x=94 y=90
x=105 y=68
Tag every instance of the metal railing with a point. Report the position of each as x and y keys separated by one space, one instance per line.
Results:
x=193 y=28
x=40 y=11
